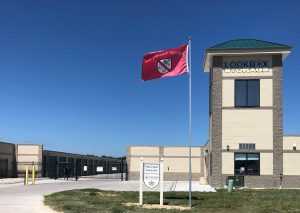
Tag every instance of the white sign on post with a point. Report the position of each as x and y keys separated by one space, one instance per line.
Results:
x=151 y=174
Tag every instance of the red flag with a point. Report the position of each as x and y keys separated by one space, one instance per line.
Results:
x=165 y=63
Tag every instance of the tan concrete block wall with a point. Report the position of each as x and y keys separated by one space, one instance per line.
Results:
x=266 y=163
x=175 y=159
x=144 y=150
x=228 y=163
x=289 y=141
x=182 y=165
x=22 y=168
x=26 y=154
x=134 y=165
x=181 y=151
x=266 y=92
x=291 y=165
x=28 y=149
x=247 y=126
x=28 y=158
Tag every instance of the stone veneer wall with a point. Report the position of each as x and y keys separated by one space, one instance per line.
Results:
x=215 y=178
x=277 y=118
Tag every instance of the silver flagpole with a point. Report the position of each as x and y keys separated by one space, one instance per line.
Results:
x=190 y=119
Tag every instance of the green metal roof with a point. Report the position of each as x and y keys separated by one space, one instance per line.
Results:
x=241 y=44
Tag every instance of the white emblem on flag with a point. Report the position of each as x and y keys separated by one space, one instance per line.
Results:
x=164 y=65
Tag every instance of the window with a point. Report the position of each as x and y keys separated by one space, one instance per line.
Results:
x=247 y=93
x=246 y=164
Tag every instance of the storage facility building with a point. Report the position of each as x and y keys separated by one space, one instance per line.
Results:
x=7 y=160
x=246 y=140
x=15 y=158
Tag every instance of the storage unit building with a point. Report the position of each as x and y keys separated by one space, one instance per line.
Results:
x=58 y=164
x=7 y=160
x=27 y=156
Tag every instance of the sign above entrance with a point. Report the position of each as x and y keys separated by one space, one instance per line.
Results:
x=247 y=66
x=151 y=174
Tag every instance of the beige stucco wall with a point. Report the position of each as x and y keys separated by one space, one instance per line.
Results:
x=290 y=158
x=289 y=141
x=228 y=163
x=228 y=93
x=266 y=92
x=247 y=126
x=266 y=163
x=181 y=151
x=291 y=165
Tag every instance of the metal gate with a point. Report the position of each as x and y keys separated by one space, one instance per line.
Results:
x=51 y=167
x=3 y=168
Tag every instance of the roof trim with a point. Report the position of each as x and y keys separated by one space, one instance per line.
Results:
x=247 y=43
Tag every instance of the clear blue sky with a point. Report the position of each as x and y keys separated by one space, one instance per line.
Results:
x=70 y=70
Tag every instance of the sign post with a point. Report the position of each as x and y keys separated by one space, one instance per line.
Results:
x=161 y=194
x=141 y=181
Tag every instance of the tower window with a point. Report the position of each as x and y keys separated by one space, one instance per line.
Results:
x=247 y=93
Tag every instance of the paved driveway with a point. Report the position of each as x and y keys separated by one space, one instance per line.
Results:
x=17 y=198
